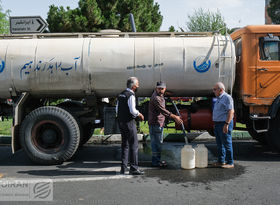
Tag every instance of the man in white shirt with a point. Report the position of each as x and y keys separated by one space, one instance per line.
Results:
x=126 y=113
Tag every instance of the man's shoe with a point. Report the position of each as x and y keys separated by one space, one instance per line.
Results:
x=160 y=165
x=228 y=166
x=124 y=170
x=218 y=164
x=136 y=172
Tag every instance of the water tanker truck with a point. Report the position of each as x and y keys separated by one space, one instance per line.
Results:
x=36 y=70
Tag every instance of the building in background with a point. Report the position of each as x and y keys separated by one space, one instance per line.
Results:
x=267 y=18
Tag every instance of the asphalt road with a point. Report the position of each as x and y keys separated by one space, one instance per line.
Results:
x=92 y=177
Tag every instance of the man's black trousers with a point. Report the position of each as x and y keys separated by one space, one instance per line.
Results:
x=129 y=144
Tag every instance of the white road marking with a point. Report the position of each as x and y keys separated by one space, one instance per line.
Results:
x=92 y=178
x=107 y=169
x=80 y=179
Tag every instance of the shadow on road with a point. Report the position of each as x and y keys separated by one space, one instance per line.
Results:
x=249 y=151
x=66 y=172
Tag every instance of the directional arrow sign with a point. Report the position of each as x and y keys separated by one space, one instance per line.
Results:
x=27 y=24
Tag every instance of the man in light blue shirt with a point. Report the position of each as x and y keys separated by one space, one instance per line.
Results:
x=223 y=113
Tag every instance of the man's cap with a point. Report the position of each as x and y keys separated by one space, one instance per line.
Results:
x=161 y=84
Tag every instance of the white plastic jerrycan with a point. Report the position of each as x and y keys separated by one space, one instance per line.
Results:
x=201 y=156
x=187 y=157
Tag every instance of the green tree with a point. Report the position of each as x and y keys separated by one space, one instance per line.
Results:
x=4 y=21
x=94 y=15
x=171 y=29
x=206 y=21
x=274 y=11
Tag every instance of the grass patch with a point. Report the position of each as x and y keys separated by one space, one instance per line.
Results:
x=238 y=124
x=144 y=128
x=5 y=127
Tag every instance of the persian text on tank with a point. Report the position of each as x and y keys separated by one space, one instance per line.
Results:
x=144 y=66
x=48 y=66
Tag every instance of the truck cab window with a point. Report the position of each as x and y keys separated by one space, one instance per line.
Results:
x=238 y=49
x=269 y=48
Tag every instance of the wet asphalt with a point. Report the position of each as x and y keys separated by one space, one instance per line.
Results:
x=254 y=180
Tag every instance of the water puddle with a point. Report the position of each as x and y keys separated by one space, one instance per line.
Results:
x=205 y=175
x=172 y=154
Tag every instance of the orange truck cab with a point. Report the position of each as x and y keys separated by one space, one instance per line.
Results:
x=257 y=86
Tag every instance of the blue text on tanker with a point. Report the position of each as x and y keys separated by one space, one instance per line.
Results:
x=48 y=66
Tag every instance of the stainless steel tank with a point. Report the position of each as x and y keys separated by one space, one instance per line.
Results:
x=75 y=67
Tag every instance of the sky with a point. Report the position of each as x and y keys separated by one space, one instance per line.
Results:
x=237 y=13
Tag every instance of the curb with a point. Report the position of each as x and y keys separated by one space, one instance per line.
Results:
x=95 y=139
x=176 y=137
x=5 y=140
x=241 y=135
x=115 y=138
x=201 y=136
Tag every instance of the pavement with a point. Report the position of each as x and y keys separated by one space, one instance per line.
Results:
x=92 y=177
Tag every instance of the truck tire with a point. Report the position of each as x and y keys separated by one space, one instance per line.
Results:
x=273 y=136
x=87 y=133
x=86 y=130
x=49 y=135
x=260 y=137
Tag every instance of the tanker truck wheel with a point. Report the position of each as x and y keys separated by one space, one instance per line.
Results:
x=260 y=137
x=49 y=135
x=273 y=135
x=88 y=131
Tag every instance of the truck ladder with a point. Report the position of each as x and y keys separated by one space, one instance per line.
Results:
x=222 y=57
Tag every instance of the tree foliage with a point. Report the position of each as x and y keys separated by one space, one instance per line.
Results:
x=274 y=11
x=4 y=21
x=206 y=21
x=171 y=29
x=94 y=15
